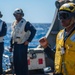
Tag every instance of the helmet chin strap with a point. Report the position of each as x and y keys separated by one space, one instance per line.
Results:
x=72 y=21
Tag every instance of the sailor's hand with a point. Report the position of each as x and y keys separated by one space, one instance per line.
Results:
x=43 y=42
x=26 y=43
x=10 y=49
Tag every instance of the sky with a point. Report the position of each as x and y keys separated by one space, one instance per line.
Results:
x=35 y=11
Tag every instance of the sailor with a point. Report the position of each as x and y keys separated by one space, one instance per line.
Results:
x=64 y=56
x=3 y=30
x=22 y=33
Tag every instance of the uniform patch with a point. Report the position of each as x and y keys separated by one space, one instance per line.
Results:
x=73 y=38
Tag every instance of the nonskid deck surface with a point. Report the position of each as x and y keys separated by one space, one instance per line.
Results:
x=32 y=74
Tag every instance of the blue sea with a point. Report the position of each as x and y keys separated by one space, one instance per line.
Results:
x=41 y=28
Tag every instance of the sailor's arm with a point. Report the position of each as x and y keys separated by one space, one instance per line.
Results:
x=11 y=42
x=31 y=28
x=3 y=30
x=47 y=49
x=50 y=53
x=11 y=45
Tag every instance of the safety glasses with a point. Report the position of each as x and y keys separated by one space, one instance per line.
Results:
x=64 y=15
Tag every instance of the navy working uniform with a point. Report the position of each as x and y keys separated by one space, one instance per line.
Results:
x=3 y=30
x=21 y=32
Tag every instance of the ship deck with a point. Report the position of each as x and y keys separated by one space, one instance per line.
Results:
x=32 y=74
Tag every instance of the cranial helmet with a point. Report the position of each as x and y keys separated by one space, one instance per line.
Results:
x=70 y=7
x=18 y=11
x=1 y=14
x=66 y=11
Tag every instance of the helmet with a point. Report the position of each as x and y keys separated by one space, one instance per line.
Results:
x=1 y=14
x=70 y=7
x=66 y=11
x=18 y=11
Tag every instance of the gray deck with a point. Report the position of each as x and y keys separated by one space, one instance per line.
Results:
x=32 y=74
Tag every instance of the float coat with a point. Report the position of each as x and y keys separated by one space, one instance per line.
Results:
x=65 y=53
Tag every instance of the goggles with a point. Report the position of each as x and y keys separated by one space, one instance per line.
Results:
x=64 y=15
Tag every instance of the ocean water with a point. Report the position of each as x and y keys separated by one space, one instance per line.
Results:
x=41 y=28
